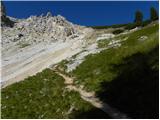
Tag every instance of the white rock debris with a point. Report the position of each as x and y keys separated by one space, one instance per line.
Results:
x=105 y=36
x=36 y=43
x=91 y=49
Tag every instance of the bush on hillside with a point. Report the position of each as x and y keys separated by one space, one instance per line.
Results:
x=153 y=14
x=118 y=31
x=130 y=26
x=134 y=25
x=145 y=23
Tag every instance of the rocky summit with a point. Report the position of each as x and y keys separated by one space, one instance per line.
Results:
x=41 y=28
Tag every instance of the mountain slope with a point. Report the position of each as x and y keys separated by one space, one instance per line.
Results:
x=126 y=75
x=29 y=46
x=121 y=69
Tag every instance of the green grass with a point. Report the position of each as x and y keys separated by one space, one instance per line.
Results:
x=97 y=68
x=127 y=26
x=109 y=26
x=132 y=38
x=43 y=96
x=103 y=43
x=126 y=77
x=62 y=64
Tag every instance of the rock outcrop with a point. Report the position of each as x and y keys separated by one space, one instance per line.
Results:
x=5 y=21
x=46 y=28
x=36 y=43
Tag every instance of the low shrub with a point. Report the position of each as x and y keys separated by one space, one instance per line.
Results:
x=118 y=31
x=130 y=26
x=145 y=23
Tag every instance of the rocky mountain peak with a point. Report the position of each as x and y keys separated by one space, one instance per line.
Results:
x=42 y=28
x=36 y=29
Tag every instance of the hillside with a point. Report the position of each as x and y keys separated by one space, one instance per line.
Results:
x=125 y=76
x=32 y=45
x=121 y=70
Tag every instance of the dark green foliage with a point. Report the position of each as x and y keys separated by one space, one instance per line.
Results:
x=153 y=14
x=5 y=21
x=90 y=114
x=130 y=26
x=134 y=25
x=111 y=26
x=138 y=18
x=118 y=31
x=145 y=23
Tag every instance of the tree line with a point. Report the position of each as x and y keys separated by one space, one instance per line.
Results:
x=139 y=16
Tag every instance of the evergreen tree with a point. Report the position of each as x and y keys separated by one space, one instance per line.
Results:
x=138 y=18
x=153 y=14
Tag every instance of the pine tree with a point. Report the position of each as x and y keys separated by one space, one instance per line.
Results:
x=138 y=18
x=153 y=14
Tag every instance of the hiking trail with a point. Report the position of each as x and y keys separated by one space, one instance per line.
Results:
x=91 y=98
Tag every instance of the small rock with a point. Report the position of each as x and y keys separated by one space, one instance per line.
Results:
x=142 y=38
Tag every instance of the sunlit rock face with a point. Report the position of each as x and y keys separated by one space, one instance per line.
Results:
x=37 y=42
x=42 y=29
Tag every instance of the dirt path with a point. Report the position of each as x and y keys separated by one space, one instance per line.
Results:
x=91 y=98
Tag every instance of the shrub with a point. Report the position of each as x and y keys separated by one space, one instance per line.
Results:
x=145 y=23
x=118 y=31
x=153 y=14
x=130 y=26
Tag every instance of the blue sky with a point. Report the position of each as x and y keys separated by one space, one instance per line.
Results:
x=82 y=12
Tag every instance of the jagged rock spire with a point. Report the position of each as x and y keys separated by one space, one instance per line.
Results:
x=3 y=10
x=49 y=14
x=5 y=21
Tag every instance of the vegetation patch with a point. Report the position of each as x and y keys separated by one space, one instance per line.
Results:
x=103 y=43
x=96 y=67
x=44 y=96
x=118 y=31
x=126 y=77
x=109 y=26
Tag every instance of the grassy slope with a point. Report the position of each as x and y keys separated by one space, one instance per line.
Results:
x=111 y=26
x=126 y=77
x=96 y=67
x=44 y=96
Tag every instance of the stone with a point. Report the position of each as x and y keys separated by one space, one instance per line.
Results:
x=49 y=14
x=5 y=21
x=142 y=38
